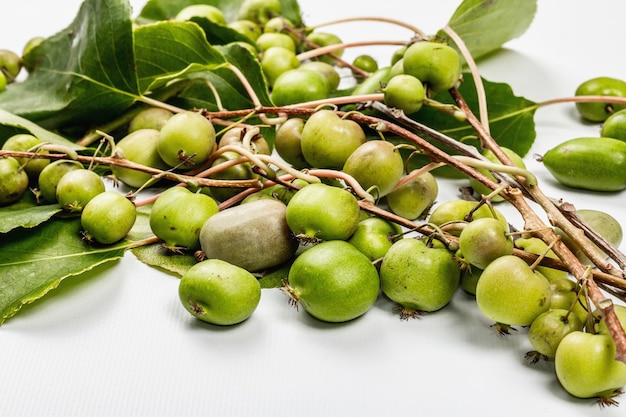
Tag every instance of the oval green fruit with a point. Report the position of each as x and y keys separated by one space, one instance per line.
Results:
x=510 y=292
x=139 y=146
x=23 y=142
x=259 y=11
x=376 y=165
x=274 y=39
x=603 y=223
x=322 y=39
x=328 y=141
x=288 y=142
x=235 y=136
x=374 y=236
x=565 y=293
x=483 y=240
x=600 y=86
x=186 y=140
x=177 y=216
x=374 y=83
x=413 y=198
x=77 y=187
x=276 y=61
x=253 y=236
x=299 y=86
x=620 y=313
x=13 y=180
x=149 y=118
x=435 y=64
x=206 y=11
x=241 y=171
x=550 y=327
x=333 y=281
x=460 y=211
x=108 y=217
x=247 y=28
x=328 y=71
x=539 y=247
x=586 y=367
x=615 y=126
x=405 y=92
x=49 y=178
x=418 y=277
x=597 y=164
x=470 y=275
x=323 y=212
x=219 y=293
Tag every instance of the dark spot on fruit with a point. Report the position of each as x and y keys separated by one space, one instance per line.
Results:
x=196 y=309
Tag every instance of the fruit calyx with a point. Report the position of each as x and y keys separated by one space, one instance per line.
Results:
x=294 y=300
x=407 y=313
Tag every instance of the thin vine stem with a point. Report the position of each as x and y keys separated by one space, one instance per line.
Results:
x=396 y=22
x=478 y=81
x=324 y=50
x=125 y=163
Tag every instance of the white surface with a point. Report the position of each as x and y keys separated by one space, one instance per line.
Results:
x=116 y=342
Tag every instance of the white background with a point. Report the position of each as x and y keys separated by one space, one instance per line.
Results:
x=116 y=342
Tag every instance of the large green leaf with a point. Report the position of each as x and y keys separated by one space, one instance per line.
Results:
x=11 y=124
x=233 y=95
x=85 y=73
x=219 y=34
x=34 y=261
x=158 y=257
x=486 y=25
x=511 y=117
x=25 y=213
x=170 y=50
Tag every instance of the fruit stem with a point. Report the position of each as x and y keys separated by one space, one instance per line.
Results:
x=478 y=81
x=543 y=255
x=449 y=109
x=246 y=85
x=71 y=153
x=251 y=156
x=348 y=179
x=416 y=173
x=125 y=163
x=530 y=178
x=339 y=101
x=328 y=49
x=308 y=177
x=400 y=23
x=583 y=99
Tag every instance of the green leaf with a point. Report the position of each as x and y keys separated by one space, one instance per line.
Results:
x=156 y=256
x=220 y=35
x=233 y=95
x=277 y=276
x=511 y=118
x=83 y=74
x=169 y=50
x=25 y=213
x=35 y=261
x=486 y=25
x=11 y=124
